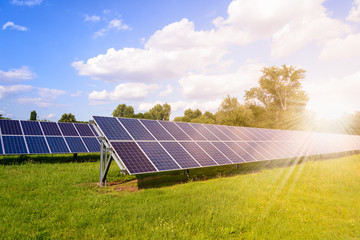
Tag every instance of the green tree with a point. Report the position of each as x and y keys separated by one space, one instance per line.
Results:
x=123 y=111
x=67 y=117
x=281 y=95
x=159 y=112
x=2 y=117
x=231 y=112
x=33 y=116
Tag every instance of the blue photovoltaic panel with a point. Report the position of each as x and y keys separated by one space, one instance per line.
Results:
x=37 y=144
x=258 y=146
x=192 y=132
x=226 y=150
x=133 y=158
x=92 y=144
x=10 y=127
x=57 y=145
x=136 y=129
x=273 y=149
x=84 y=130
x=220 y=135
x=256 y=133
x=31 y=128
x=175 y=131
x=180 y=155
x=218 y=156
x=112 y=128
x=75 y=144
x=50 y=128
x=93 y=129
x=199 y=154
x=241 y=152
x=240 y=133
x=68 y=129
x=158 y=156
x=204 y=131
x=252 y=151
x=1 y=150
x=14 y=145
x=157 y=130
x=229 y=133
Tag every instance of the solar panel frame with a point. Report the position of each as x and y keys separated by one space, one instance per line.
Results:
x=31 y=128
x=68 y=129
x=175 y=131
x=57 y=144
x=84 y=130
x=91 y=143
x=76 y=144
x=157 y=130
x=136 y=129
x=112 y=129
x=50 y=129
x=198 y=154
x=190 y=131
x=37 y=145
x=14 y=144
x=10 y=127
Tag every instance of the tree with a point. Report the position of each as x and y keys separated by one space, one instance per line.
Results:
x=159 y=112
x=231 y=112
x=33 y=116
x=67 y=117
x=123 y=111
x=280 y=93
x=2 y=117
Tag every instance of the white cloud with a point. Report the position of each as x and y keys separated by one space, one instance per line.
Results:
x=76 y=94
x=114 y=24
x=169 y=89
x=354 y=14
x=92 y=18
x=28 y=3
x=12 y=25
x=124 y=91
x=13 y=90
x=200 y=86
x=49 y=116
x=50 y=94
x=341 y=48
x=39 y=102
x=16 y=75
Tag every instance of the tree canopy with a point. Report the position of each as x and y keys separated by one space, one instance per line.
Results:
x=123 y=111
x=67 y=117
x=33 y=116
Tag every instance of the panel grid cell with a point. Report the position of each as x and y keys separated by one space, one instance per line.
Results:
x=133 y=158
x=112 y=128
x=75 y=144
x=240 y=151
x=189 y=130
x=68 y=129
x=180 y=155
x=252 y=151
x=158 y=156
x=204 y=131
x=50 y=128
x=157 y=130
x=201 y=157
x=218 y=156
x=136 y=129
x=84 y=130
x=175 y=131
x=10 y=127
x=228 y=152
x=1 y=150
x=92 y=144
x=37 y=145
x=31 y=128
x=57 y=145
x=14 y=145
x=220 y=135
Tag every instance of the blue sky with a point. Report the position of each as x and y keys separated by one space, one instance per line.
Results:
x=86 y=57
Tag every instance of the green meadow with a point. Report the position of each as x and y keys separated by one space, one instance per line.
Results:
x=55 y=198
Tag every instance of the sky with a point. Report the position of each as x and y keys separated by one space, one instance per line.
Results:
x=87 y=56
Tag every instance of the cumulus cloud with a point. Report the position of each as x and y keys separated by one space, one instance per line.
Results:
x=354 y=14
x=39 y=102
x=124 y=91
x=28 y=3
x=201 y=86
x=13 y=90
x=93 y=18
x=16 y=75
x=49 y=116
x=114 y=24
x=341 y=48
x=169 y=89
x=12 y=25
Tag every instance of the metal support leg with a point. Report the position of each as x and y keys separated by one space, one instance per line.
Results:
x=101 y=163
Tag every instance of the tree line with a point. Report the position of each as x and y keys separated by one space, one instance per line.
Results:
x=278 y=101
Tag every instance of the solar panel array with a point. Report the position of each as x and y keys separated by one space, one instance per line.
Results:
x=145 y=146
x=33 y=137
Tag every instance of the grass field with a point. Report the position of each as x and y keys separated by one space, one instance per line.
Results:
x=53 y=200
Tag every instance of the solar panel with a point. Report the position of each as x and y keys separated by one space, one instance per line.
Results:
x=112 y=128
x=136 y=129
x=75 y=144
x=33 y=137
x=158 y=156
x=84 y=130
x=133 y=158
x=11 y=127
x=31 y=128
x=190 y=131
x=144 y=146
x=68 y=129
x=180 y=155
x=37 y=145
x=175 y=131
x=14 y=145
x=57 y=145
x=92 y=144
x=157 y=130
x=50 y=128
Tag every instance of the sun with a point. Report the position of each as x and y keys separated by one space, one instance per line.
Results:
x=328 y=111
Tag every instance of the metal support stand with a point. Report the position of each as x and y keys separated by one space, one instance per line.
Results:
x=236 y=166
x=105 y=161
x=75 y=156
x=187 y=173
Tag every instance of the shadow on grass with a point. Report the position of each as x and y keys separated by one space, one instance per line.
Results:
x=49 y=158
x=165 y=179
